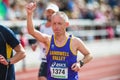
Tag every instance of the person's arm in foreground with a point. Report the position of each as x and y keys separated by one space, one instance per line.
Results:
x=11 y=40
x=20 y=54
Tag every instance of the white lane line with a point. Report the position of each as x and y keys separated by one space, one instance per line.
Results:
x=115 y=77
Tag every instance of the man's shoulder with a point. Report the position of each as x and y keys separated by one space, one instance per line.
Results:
x=75 y=39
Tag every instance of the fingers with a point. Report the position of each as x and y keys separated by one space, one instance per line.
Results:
x=75 y=67
x=1 y=57
x=31 y=7
x=3 y=60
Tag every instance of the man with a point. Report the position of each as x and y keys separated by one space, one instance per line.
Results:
x=45 y=28
x=61 y=48
x=8 y=42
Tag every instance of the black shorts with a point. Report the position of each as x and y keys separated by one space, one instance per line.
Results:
x=43 y=69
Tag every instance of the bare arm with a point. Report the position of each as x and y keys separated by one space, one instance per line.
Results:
x=31 y=30
x=78 y=45
x=20 y=54
x=84 y=50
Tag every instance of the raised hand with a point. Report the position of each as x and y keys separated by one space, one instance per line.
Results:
x=30 y=7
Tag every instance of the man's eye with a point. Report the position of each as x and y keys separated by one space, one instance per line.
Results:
x=54 y=23
x=59 y=23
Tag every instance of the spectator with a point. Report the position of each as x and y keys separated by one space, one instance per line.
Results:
x=12 y=12
x=23 y=42
x=110 y=32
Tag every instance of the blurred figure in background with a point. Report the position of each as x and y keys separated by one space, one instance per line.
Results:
x=21 y=13
x=23 y=42
x=110 y=32
x=39 y=12
x=12 y=12
x=23 y=39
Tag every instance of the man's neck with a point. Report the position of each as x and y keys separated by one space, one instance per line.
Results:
x=61 y=38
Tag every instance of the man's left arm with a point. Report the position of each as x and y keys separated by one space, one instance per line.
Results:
x=85 y=51
x=81 y=47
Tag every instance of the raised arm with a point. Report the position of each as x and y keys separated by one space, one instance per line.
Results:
x=31 y=30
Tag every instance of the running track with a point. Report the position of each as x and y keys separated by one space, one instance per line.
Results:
x=104 y=68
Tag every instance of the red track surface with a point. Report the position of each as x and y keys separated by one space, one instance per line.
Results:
x=105 y=68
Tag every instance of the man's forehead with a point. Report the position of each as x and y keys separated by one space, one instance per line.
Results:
x=57 y=18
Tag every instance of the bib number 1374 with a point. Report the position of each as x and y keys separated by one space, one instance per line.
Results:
x=61 y=73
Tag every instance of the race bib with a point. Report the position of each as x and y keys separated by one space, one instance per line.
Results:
x=59 y=71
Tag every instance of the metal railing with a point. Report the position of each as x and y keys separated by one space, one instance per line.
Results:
x=80 y=28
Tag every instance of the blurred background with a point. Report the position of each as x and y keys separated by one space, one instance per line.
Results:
x=96 y=22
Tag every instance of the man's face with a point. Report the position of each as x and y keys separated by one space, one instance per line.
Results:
x=49 y=13
x=58 y=25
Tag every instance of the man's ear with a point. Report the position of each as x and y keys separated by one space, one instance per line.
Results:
x=67 y=24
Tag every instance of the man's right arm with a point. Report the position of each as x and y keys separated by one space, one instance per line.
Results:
x=31 y=30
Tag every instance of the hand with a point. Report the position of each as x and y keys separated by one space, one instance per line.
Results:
x=76 y=67
x=3 y=60
x=30 y=7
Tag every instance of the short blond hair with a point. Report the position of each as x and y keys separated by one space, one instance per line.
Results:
x=62 y=15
